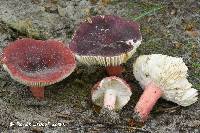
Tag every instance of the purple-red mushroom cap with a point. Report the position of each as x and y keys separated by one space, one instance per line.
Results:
x=38 y=63
x=106 y=40
x=111 y=92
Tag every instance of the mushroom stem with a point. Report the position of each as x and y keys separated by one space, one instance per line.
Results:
x=109 y=99
x=146 y=102
x=38 y=92
x=114 y=70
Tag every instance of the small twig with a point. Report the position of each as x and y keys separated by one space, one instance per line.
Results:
x=131 y=128
x=172 y=109
x=147 y=13
x=62 y=115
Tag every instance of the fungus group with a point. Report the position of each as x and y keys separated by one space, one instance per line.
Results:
x=37 y=63
x=107 y=41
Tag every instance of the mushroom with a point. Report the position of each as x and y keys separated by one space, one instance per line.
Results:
x=161 y=76
x=107 y=41
x=111 y=93
x=37 y=63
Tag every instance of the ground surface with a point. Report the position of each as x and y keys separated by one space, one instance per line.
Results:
x=168 y=27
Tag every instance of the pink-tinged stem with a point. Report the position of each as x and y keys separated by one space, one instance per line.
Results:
x=109 y=99
x=114 y=70
x=38 y=92
x=148 y=99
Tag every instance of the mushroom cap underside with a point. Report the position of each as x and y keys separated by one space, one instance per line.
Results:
x=169 y=73
x=121 y=89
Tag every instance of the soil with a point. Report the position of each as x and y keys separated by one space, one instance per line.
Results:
x=169 y=27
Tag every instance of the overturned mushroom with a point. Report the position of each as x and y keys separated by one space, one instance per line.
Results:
x=111 y=93
x=106 y=40
x=37 y=63
x=161 y=76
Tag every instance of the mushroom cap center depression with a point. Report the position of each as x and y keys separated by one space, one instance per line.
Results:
x=37 y=60
x=105 y=36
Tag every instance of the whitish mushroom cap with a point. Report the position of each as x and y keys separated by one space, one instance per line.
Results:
x=105 y=40
x=114 y=84
x=169 y=73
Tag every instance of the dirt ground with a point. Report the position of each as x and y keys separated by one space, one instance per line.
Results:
x=169 y=27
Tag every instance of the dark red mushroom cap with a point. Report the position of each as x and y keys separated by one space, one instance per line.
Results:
x=106 y=36
x=38 y=63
